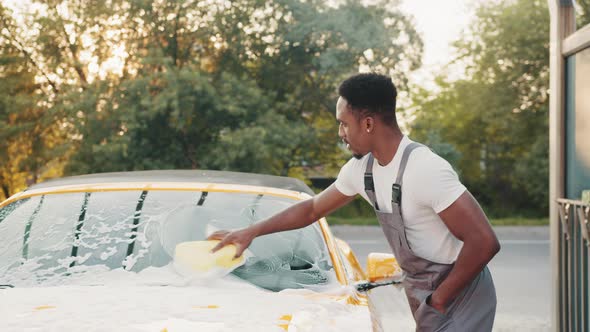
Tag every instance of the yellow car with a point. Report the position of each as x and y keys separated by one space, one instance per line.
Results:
x=96 y=253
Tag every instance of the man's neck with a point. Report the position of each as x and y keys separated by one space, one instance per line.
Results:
x=386 y=146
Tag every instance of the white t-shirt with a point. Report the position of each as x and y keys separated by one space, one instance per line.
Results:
x=430 y=185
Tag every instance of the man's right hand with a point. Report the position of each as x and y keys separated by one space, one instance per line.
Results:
x=296 y=216
x=241 y=239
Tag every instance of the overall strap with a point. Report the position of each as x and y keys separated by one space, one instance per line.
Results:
x=369 y=184
x=396 y=193
x=404 y=161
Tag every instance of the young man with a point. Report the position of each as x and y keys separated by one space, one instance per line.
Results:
x=436 y=229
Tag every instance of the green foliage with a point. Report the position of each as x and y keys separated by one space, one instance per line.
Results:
x=532 y=173
x=497 y=117
x=583 y=13
x=243 y=85
x=371 y=220
x=358 y=208
x=30 y=139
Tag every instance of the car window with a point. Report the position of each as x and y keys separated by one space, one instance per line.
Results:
x=136 y=230
x=48 y=241
x=13 y=219
x=107 y=228
x=160 y=228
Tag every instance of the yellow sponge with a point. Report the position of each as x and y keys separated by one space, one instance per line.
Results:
x=196 y=257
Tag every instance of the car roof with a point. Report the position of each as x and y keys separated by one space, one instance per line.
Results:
x=206 y=176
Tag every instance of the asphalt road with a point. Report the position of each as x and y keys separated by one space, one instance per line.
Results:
x=521 y=272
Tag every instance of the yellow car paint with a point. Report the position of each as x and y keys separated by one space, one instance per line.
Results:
x=44 y=307
x=358 y=272
x=382 y=266
x=284 y=321
x=211 y=306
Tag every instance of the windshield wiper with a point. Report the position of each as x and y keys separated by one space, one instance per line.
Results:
x=28 y=228
x=202 y=199
x=136 y=218
x=79 y=225
x=364 y=287
x=6 y=286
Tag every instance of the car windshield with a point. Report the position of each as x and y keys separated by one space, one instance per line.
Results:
x=51 y=235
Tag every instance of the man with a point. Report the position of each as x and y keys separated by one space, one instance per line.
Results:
x=436 y=229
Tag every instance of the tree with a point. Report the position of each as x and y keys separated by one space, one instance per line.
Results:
x=583 y=13
x=497 y=117
x=30 y=139
x=243 y=85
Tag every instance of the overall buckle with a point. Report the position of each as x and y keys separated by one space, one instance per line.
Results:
x=369 y=185
x=396 y=194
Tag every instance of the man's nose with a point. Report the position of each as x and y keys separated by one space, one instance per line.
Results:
x=340 y=131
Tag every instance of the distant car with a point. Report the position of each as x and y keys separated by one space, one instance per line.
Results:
x=94 y=253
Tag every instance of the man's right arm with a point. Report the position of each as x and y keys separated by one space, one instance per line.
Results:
x=297 y=216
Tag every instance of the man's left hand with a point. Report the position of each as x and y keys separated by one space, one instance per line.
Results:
x=432 y=301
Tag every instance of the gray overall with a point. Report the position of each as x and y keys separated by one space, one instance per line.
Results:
x=473 y=309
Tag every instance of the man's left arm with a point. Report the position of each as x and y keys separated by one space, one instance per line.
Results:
x=467 y=222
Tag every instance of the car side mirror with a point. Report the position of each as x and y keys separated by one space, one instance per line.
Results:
x=382 y=266
x=382 y=270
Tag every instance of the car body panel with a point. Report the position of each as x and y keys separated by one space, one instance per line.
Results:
x=211 y=307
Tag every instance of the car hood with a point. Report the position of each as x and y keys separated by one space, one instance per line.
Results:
x=157 y=301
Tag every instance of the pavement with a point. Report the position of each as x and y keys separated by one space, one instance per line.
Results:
x=521 y=271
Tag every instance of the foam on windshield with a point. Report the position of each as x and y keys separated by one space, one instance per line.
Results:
x=112 y=225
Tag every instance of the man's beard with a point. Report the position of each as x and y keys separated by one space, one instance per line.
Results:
x=358 y=156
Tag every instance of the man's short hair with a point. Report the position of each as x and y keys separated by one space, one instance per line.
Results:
x=371 y=94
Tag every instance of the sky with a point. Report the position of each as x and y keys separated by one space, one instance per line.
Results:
x=440 y=22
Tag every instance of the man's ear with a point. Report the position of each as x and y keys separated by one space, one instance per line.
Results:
x=369 y=124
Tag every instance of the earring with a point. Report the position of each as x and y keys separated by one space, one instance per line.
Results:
x=367 y=130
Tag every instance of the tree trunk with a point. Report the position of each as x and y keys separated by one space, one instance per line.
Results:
x=5 y=191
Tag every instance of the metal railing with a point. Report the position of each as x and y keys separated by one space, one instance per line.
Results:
x=574 y=249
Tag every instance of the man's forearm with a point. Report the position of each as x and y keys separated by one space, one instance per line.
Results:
x=471 y=260
x=468 y=223
x=296 y=216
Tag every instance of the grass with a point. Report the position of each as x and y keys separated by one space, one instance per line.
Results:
x=520 y=221
x=511 y=221
x=358 y=212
